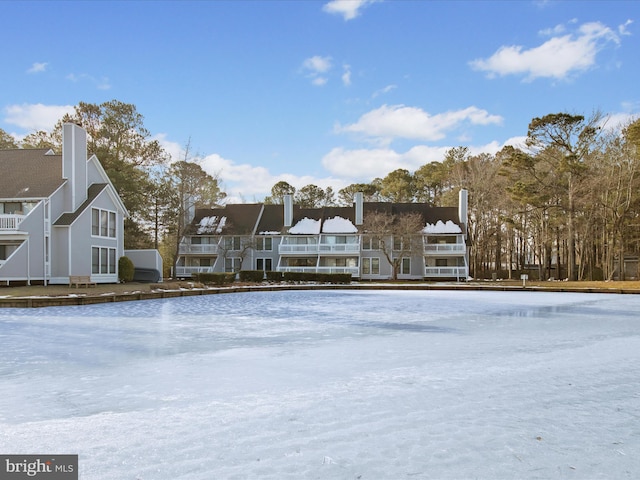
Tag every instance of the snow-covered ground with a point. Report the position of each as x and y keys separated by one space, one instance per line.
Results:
x=329 y=385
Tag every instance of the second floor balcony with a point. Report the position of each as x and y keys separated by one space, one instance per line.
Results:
x=198 y=248
x=10 y=222
x=445 y=248
x=338 y=248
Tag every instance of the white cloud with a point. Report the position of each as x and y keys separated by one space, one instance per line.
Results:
x=384 y=90
x=346 y=75
x=623 y=30
x=244 y=182
x=557 y=58
x=363 y=165
x=615 y=122
x=557 y=30
x=399 y=121
x=317 y=64
x=174 y=149
x=32 y=117
x=349 y=9
x=100 y=83
x=38 y=67
x=319 y=81
x=315 y=67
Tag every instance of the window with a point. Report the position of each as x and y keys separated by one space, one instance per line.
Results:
x=95 y=221
x=103 y=223
x=204 y=241
x=200 y=261
x=264 y=264
x=405 y=266
x=397 y=243
x=264 y=244
x=370 y=243
x=232 y=264
x=103 y=260
x=370 y=266
x=441 y=262
x=11 y=208
x=232 y=243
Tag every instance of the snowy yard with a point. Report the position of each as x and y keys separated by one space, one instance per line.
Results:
x=329 y=385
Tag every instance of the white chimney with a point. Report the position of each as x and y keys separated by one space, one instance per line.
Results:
x=288 y=210
x=463 y=208
x=358 y=204
x=74 y=164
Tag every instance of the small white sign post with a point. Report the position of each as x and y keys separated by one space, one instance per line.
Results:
x=524 y=277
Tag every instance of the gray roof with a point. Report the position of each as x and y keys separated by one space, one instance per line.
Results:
x=29 y=173
x=68 y=218
x=241 y=219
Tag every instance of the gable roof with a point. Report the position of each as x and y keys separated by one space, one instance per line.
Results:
x=29 y=173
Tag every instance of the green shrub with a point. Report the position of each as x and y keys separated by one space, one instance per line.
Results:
x=274 y=276
x=251 y=275
x=316 y=277
x=216 y=278
x=334 y=277
x=125 y=269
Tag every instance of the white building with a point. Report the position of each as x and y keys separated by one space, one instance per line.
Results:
x=59 y=215
x=289 y=238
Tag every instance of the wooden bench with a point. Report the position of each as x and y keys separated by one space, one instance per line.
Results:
x=78 y=280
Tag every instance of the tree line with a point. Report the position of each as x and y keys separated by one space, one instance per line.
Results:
x=565 y=204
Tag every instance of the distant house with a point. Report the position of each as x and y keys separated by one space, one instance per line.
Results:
x=59 y=215
x=289 y=238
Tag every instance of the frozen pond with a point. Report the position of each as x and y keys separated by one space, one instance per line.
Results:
x=329 y=385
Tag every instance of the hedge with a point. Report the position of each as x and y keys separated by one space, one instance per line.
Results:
x=316 y=277
x=251 y=275
x=214 y=278
x=274 y=276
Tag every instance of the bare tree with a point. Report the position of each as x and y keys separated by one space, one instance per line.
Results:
x=397 y=235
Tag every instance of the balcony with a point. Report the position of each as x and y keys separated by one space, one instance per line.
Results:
x=300 y=249
x=203 y=249
x=445 y=249
x=352 y=270
x=10 y=222
x=339 y=248
x=188 y=271
x=448 y=272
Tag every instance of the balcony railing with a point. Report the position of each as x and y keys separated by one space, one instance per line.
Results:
x=188 y=271
x=9 y=222
x=300 y=249
x=339 y=248
x=453 y=272
x=444 y=248
x=188 y=248
x=352 y=270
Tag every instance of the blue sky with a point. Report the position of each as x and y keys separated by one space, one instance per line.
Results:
x=323 y=92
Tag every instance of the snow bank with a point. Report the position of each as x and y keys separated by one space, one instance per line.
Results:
x=306 y=226
x=338 y=225
x=441 y=227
